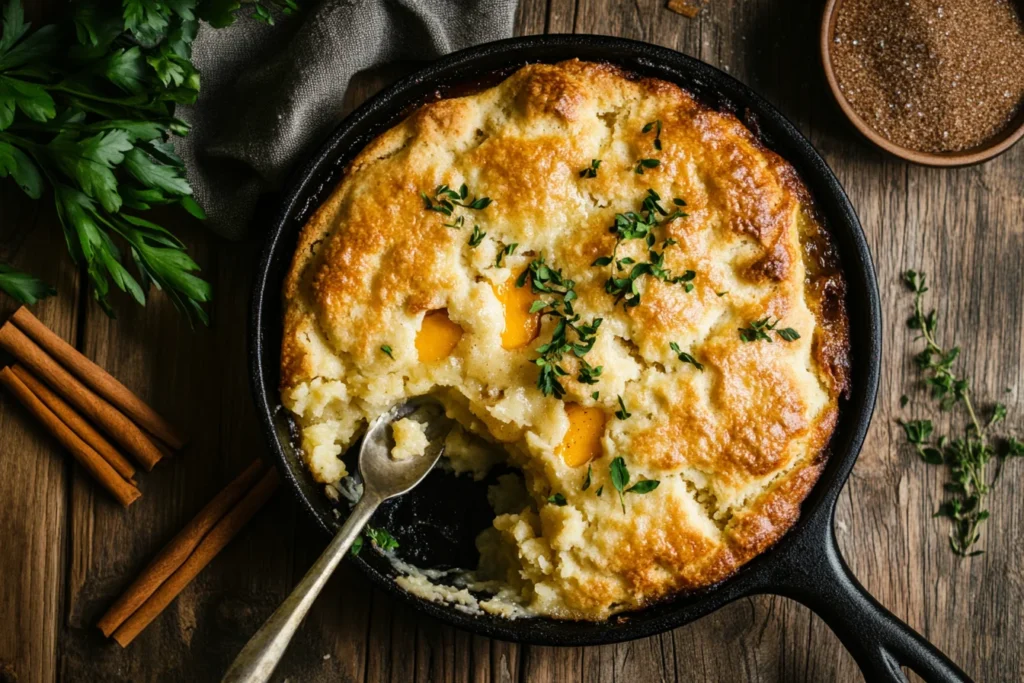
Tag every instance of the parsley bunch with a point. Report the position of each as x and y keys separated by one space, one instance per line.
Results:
x=546 y=280
x=87 y=110
x=968 y=456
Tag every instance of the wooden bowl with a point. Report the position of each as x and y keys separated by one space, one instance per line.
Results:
x=993 y=147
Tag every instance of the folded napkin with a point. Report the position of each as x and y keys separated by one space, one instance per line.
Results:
x=270 y=94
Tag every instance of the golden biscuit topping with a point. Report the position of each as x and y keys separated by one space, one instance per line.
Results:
x=615 y=289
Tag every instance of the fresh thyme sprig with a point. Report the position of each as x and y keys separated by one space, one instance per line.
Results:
x=759 y=329
x=684 y=356
x=546 y=280
x=477 y=237
x=446 y=199
x=968 y=456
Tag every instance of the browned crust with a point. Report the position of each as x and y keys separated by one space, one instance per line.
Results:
x=558 y=92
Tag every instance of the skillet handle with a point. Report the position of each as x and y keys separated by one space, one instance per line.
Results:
x=878 y=640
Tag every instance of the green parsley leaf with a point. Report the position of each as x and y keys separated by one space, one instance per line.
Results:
x=586 y=482
x=557 y=499
x=620 y=477
x=758 y=330
x=18 y=165
x=477 y=237
x=685 y=357
x=645 y=163
x=387 y=349
x=591 y=171
x=381 y=538
x=657 y=137
x=507 y=250
x=596 y=395
x=622 y=413
x=788 y=334
x=643 y=486
x=22 y=287
x=456 y=224
x=357 y=545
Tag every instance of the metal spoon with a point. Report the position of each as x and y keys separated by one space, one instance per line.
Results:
x=383 y=478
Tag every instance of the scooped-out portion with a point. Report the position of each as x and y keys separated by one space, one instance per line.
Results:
x=626 y=302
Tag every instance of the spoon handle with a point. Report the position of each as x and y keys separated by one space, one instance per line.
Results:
x=257 y=660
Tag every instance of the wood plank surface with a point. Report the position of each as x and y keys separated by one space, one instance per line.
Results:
x=66 y=551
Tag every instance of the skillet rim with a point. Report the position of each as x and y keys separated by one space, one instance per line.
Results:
x=718 y=89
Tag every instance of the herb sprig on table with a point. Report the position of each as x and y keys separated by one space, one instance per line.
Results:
x=968 y=456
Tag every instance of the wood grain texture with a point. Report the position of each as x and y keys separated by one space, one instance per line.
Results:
x=67 y=551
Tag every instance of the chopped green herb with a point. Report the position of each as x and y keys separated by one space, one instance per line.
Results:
x=620 y=477
x=643 y=486
x=357 y=545
x=381 y=538
x=721 y=293
x=557 y=499
x=685 y=357
x=622 y=413
x=508 y=250
x=633 y=225
x=456 y=224
x=620 y=480
x=788 y=334
x=645 y=163
x=477 y=237
x=591 y=171
x=586 y=482
x=387 y=349
x=588 y=373
x=600 y=490
x=545 y=280
x=596 y=395
x=446 y=199
x=657 y=136
x=758 y=330
x=903 y=401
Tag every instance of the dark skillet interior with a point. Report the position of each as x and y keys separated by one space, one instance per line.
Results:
x=437 y=523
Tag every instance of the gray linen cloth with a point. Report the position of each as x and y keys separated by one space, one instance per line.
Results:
x=270 y=94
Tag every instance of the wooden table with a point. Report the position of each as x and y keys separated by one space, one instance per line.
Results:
x=66 y=550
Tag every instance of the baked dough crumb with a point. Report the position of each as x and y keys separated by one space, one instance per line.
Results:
x=410 y=439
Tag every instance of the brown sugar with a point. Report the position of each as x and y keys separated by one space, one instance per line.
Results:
x=931 y=75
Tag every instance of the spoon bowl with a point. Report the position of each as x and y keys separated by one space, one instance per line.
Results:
x=383 y=477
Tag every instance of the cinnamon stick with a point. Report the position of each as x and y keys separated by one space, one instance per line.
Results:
x=219 y=536
x=93 y=462
x=110 y=419
x=76 y=423
x=178 y=550
x=97 y=379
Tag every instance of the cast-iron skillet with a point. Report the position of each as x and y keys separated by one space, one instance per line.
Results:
x=440 y=522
